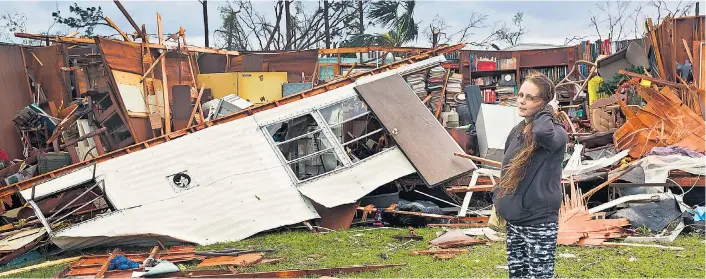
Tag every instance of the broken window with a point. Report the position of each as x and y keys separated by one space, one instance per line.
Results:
x=76 y=204
x=356 y=128
x=116 y=129
x=305 y=147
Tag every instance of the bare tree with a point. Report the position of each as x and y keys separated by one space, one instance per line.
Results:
x=612 y=17
x=573 y=39
x=447 y=34
x=662 y=8
x=511 y=36
x=638 y=18
x=244 y=28
x=11 y=23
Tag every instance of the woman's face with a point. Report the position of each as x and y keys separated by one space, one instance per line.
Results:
x=528 y=100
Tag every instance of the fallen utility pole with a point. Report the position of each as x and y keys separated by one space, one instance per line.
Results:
x=26 y=184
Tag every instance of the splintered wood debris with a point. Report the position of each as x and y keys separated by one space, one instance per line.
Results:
x=578 y=227
x=664 y=121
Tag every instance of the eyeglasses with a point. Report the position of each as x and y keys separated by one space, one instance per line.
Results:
x=528 y=97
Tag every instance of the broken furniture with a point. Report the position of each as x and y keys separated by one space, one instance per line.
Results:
x=633 y=55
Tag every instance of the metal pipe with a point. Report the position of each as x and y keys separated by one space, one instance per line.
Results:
x=77 y=209
x=74 y=200
x=363 y=136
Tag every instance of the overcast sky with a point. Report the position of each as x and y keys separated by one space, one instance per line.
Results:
x=547 y=22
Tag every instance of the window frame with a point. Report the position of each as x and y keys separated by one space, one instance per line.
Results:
x=326 y=130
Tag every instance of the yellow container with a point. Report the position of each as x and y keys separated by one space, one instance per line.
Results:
x=261 y=87
x=221 y=84
x=593 y=85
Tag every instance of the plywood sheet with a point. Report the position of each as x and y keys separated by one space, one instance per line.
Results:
x=50 y=76
x=221 y=84
x=261 y=87
x=123 y=56
x=181 y=108
x=421 y=137
x=131 y=91
x=14 y=96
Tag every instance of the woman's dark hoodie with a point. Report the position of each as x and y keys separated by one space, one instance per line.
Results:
x=538 y=195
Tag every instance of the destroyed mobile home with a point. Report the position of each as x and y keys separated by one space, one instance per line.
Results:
x=136 y=143
x=264 y=163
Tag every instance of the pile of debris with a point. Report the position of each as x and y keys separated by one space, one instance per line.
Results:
x=163 y=118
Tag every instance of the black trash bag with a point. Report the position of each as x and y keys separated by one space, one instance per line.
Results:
x=411 y=220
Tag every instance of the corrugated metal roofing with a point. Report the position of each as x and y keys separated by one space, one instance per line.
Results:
x=242 y=187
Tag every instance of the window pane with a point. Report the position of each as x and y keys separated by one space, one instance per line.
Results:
x=302 y=140
x=316 y=165
x=342 y=111
x=304 y=146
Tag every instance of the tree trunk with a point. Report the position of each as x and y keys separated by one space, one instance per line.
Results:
x=205 y=22
x=229 y=34
x=326 y=26
x=288 y=23
x=360 y=16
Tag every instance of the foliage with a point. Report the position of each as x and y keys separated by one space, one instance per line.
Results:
x=610 y=85
x=86 y=19
x=396 y=15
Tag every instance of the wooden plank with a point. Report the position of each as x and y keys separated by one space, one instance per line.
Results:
x=105 y=265
x=395 y=104
x=196 y=106
x=440 y=251
x=443 y=94
x=159 y=29
x=181 y=110
x=115 y=26
x=479 y=159
x=239 y=261
x=129 y=19
x=149 y=70
x=655 y=45
x=165 y=92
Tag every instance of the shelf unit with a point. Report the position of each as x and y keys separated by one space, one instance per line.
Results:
x=525 y=59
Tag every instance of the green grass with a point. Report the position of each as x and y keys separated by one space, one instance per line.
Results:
x=307 y=250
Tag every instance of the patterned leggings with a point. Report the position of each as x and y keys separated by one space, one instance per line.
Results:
x=531 y=249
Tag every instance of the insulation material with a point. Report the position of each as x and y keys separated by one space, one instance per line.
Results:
x=657 y=168
x=575 y=166
x=493 y=126
x=131 y=91
x=349 y=185
x=19 y=240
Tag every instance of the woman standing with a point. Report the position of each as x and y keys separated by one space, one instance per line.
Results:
x=529 y=195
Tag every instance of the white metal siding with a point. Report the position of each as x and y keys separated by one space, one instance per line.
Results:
x=349 y=185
